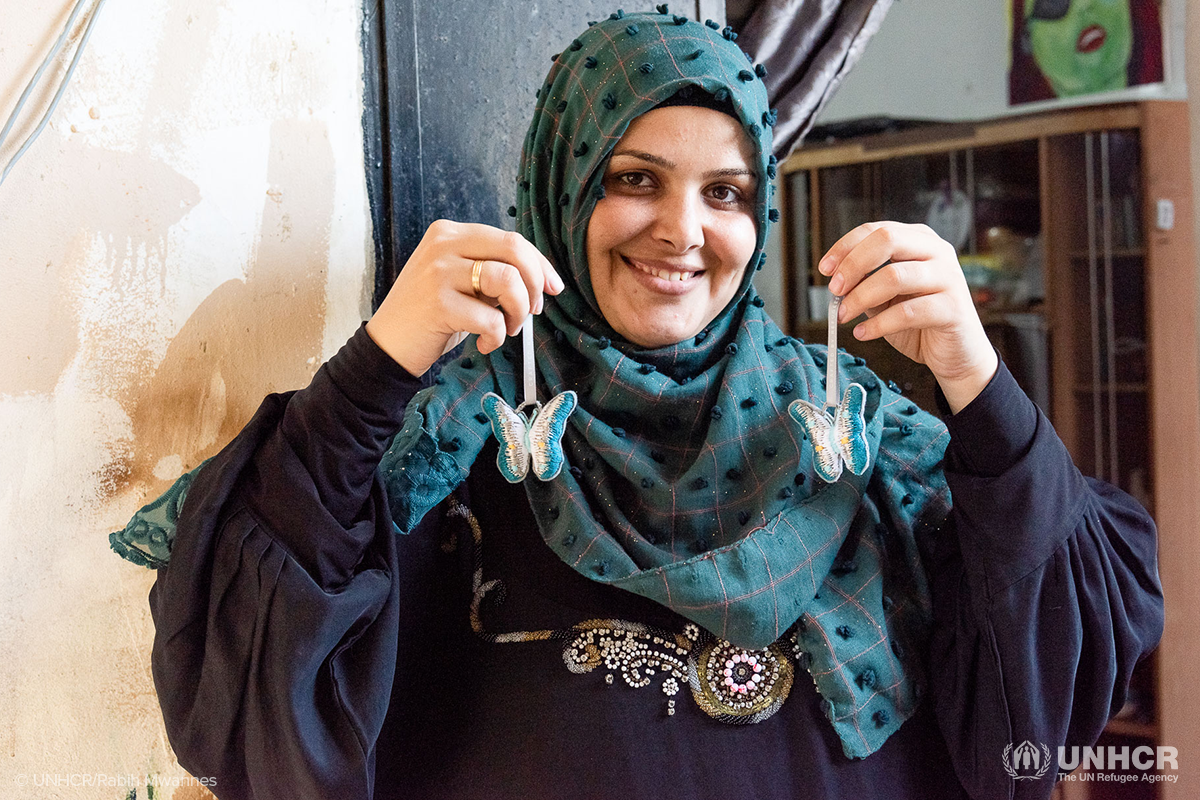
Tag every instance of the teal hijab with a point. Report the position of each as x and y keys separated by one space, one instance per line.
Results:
x=686 y=480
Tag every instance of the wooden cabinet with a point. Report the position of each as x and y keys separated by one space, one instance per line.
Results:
x=1075 y=231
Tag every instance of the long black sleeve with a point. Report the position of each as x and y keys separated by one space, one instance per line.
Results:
x=276 y=620
x=1045 y=589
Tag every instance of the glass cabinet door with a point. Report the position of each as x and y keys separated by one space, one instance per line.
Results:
x=1097 y=273
x=1102 y=309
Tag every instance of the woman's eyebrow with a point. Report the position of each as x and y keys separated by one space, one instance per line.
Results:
x=730 y=172
x=659 y=161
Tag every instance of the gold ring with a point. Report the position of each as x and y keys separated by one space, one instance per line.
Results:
x=476 y=272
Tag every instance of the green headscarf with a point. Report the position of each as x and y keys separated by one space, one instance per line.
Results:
x=687 y=483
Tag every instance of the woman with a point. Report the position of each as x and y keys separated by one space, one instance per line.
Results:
x=686 y=552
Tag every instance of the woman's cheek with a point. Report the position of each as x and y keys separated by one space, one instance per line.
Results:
x=738 y=240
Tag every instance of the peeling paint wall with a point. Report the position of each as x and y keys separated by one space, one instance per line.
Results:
x=189 y=234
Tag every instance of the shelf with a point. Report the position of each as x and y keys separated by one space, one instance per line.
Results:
x=1010 y=193
x=962 y=136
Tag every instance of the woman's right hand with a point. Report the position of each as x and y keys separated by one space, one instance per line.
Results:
x=432 y=307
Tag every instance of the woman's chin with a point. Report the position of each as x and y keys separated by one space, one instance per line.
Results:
x=652 y=334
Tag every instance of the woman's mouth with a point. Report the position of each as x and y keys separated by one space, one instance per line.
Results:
x=1090 y=39
x=660 y=270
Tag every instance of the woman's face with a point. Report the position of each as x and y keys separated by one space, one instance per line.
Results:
x=668 y=243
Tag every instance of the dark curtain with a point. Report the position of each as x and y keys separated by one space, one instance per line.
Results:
x=808 y=48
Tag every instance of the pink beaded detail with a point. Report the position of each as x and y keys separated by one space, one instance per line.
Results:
x=738 y=685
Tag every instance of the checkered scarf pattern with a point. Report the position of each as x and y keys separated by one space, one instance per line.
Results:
x=687 y=483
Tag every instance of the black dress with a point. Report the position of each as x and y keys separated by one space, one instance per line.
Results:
x=303 y=649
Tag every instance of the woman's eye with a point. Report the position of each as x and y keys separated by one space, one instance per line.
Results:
x=634 y=180
x=725 y=194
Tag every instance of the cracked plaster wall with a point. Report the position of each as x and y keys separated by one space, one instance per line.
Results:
x=189 y=234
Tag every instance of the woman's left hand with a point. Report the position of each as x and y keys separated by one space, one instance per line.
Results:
x=918 y=301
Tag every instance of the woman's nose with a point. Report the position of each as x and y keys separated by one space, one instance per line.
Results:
x=680 y=221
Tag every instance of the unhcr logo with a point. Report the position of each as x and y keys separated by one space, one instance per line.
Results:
x=1029 y=761
x=1025 y=761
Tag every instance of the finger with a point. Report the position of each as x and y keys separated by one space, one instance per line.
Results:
x=897 y=279
x=883 y=242
x=484 y=241
x=829 y=262
x=478 y=317
x=506 y=284
x=915 y=313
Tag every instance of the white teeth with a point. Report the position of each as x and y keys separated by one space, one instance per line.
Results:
x=669 y=276
x=666 y=275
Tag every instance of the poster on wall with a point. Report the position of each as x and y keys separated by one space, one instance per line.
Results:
x=1069 y=48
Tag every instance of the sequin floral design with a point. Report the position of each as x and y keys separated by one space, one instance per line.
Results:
x=638 y=653
x=729 y=683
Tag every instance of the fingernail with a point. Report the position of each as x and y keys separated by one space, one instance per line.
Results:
x=538 y=306
x=835 y=285
x=859 y=331
x=825 y=266
x=841 y=313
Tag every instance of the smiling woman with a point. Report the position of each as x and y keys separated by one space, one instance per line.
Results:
x=303 y=649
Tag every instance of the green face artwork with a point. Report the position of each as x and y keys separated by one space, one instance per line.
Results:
x=1081 y=46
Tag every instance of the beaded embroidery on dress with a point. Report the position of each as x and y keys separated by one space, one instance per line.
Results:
x=731 y=684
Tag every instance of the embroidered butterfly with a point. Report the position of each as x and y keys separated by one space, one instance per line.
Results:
x=536 y=438
x=839 y=438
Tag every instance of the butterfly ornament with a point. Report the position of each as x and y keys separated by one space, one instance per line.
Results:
x=838 y=431
x=530 y=434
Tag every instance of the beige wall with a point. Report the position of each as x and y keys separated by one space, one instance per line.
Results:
x=189 y=234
